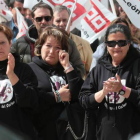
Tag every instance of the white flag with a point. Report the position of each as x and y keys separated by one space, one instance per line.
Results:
x=4 y=11
x=96 y=21
x=22 y=25
x=132 y=9
x=81 y=9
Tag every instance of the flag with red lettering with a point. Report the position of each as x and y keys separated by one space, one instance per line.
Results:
x=22 y=25
x=4 y=11
x=132 y=9
x=95 y=22
x=81 y=9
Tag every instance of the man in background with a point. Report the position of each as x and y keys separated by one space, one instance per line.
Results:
x=60 y=18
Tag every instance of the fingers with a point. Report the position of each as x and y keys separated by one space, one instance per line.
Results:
x=11 y=59
x=62 y=52
x=118 y=77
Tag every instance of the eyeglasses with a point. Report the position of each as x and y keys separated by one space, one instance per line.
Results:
x=39 y=19
x=120 y=43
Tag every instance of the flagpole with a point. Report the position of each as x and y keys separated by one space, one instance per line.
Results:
x=71 y=15
x=113 y=7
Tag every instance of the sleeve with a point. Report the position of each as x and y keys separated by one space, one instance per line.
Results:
x=135 y=94
x=75 y=58
x=25 y=89
x=13 y=47
x=88 y=90
x=75 y=83
x=88 y=57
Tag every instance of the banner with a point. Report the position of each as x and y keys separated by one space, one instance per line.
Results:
x=22 y=25
x=4 y=11
x=81 y=9
x=132 y=9
x=95 y=22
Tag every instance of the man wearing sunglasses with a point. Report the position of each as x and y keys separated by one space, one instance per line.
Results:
x=42 y=16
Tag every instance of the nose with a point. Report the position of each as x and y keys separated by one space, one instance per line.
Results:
x=62 y=24
x=52 y=50
x=43 y=20
x=116 y=46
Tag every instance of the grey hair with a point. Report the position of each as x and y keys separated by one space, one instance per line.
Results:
x=60 y=8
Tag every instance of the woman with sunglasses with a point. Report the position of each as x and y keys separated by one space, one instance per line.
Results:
x=112 y=88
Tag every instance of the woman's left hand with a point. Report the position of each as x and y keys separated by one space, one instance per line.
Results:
x=10 y=65
x=64 y=58
x=113 y=84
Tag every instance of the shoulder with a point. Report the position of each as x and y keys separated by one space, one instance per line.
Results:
x=78 y=39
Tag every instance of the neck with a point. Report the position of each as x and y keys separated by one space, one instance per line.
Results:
x=115 y=63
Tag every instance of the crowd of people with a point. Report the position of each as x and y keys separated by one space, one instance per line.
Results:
x=48 y=69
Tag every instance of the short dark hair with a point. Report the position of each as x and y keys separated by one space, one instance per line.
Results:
x=60 y=35
x=41 y=5
x=118 y=28
x=12 y=2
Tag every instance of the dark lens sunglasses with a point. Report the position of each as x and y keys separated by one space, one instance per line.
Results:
x=120 y=43
x=39 y=19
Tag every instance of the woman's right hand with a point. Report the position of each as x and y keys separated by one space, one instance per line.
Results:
x=65 y=93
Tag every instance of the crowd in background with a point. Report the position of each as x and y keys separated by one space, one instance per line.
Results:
x=48 y=68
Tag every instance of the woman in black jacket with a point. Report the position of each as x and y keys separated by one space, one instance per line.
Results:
x=58 y=80
x=18 y=86
x=112 y=89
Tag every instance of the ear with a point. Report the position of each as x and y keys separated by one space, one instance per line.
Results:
x=32 y=20
x=10 y=43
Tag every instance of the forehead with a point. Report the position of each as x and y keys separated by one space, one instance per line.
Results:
x=116 y=36
x=2 y=36
x=42 y=12
x=18 y=4
x=52 y=38
x=61 y=15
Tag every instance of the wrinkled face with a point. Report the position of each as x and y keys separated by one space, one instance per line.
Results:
x=61 y=19
x=40 y=25
x=50 y=50
x=19 y=6
x=117 y=53
x=4 y=47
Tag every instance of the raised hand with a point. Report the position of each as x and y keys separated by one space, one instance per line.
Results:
x=113 y=85
x=10 y=70
x=10 y=65
x=64 y=58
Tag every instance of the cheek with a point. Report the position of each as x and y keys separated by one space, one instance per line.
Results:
x=43 y=53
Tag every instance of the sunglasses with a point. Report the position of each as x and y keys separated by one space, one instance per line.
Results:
x=39 y=19
x=120 y=43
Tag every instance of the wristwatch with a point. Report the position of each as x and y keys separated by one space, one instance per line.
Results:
x=122 y=91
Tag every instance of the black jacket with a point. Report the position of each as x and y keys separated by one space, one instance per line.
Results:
x=50 y=78
x=115 y=113
x=23 y=45
x=18 y=103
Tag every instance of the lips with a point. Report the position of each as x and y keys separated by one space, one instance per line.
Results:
x=50 y=57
